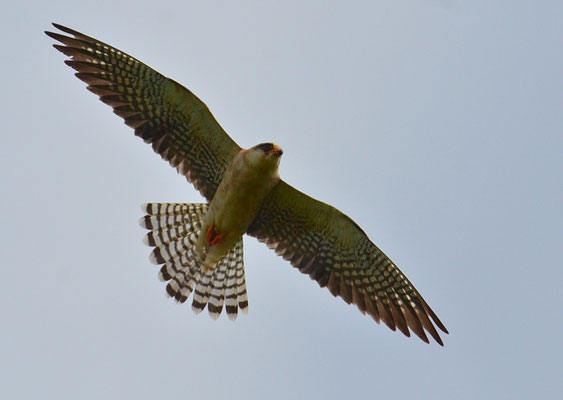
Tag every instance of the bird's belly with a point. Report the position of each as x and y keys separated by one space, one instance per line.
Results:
x=238 y=200
x=235 y=209
x=234 y=206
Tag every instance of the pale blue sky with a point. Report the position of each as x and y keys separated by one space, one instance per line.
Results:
x=437 y=125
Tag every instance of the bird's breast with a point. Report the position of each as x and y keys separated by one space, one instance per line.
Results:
x=241 y=193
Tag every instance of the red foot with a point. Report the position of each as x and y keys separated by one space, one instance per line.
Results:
x=213 y=237
x=211 y=233
x=218 y=239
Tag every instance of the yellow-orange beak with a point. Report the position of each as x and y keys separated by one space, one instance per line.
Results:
x=277 y=150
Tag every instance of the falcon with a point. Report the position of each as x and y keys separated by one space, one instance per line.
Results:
x=199 y=246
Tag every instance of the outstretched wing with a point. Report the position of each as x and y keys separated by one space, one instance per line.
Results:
x=179 y=126
x=332 y=249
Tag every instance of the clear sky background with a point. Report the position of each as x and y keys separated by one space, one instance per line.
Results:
x=437 y=125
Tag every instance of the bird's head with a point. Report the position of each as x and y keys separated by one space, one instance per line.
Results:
x=264 y=156
x=269 y=149
x=267 y=152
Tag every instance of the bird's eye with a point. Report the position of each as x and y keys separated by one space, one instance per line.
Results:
x=265 y=147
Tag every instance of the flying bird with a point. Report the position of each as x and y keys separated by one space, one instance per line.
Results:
x=199 y=246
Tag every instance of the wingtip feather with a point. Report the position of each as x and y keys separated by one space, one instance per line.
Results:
x=66 y=30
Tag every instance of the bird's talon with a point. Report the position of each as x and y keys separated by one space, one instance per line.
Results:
x=218 y=238
x=213 y=237
x=211 y=233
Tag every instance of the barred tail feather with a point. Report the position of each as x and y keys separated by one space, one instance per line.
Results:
x=217 y=292
x=212 y=289
x=174 y=229
x=235 y=284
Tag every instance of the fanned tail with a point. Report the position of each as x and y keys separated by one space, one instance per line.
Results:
x=174 y=230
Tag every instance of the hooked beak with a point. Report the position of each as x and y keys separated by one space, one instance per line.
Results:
x=276 y=150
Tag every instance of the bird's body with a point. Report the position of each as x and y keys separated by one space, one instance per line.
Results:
x=199 y=246
x=250 y=178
